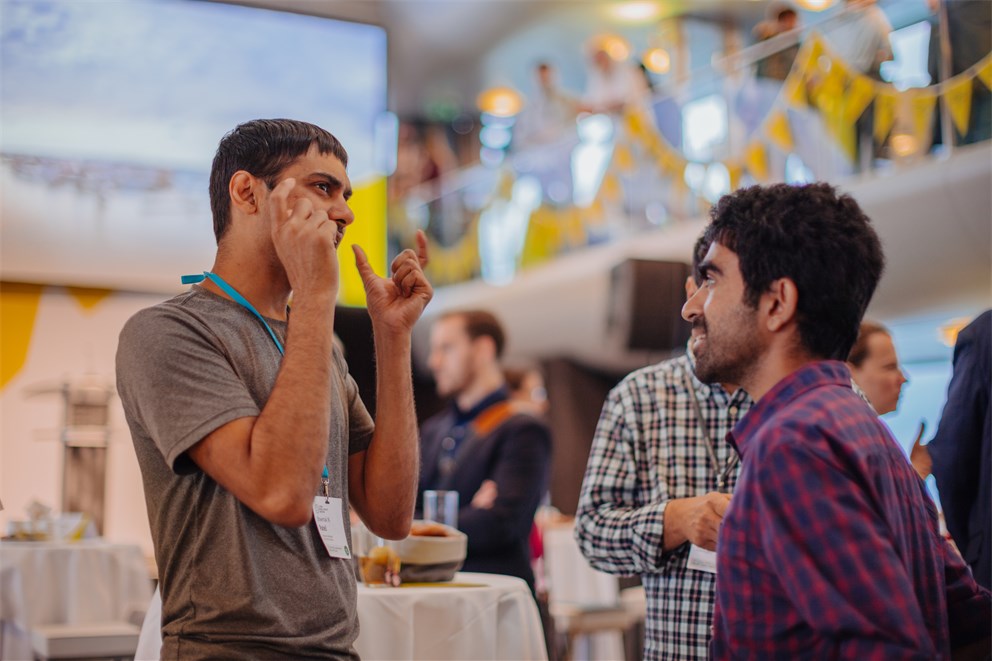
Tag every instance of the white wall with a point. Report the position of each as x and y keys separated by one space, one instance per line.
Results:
x=68 y=342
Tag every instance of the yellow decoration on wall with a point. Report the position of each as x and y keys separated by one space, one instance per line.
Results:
x=779 y=132
x=369 y=231
x=957 y=98
x=87 y=297
x=18 y=310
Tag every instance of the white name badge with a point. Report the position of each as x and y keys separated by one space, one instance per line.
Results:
x=330 y=524
x=702 y=560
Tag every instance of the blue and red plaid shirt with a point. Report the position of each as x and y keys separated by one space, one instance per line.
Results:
x=830 y=547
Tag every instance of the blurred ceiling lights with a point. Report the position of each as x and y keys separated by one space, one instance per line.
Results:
x=814 y=5
x=500 y=101
x=639 y=11
x=657 y=60
x=615 y=46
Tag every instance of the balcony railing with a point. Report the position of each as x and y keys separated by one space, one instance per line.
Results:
x=670 y=158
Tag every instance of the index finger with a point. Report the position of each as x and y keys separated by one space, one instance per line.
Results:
x=422 y=255
x=280 y=199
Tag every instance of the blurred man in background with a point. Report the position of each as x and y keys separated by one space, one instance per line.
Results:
x=495 y=454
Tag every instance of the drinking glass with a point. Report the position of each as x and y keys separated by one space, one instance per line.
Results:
x=441 y=506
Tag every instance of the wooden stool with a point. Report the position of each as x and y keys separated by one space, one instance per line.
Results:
x=116 y=640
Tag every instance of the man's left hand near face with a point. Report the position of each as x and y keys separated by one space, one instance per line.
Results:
x=397 y=302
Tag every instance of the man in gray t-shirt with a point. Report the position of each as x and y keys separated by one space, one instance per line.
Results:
x=247 y=426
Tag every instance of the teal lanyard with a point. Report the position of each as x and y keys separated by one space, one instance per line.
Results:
x=243 y=302
x=238 y=298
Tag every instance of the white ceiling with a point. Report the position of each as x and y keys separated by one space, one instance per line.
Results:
x=437 y=47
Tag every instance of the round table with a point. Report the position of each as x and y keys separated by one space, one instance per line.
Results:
x=67 y=583
x=475 y=616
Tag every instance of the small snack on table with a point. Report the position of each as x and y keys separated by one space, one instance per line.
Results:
x=432 y=553
x=428 y=529
x=380 y=567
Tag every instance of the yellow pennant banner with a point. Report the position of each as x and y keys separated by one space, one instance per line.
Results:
x=735 y=170
x=957 y=99
x=859 y=94
x=794 y=89
x=779 y=132
x=985 y=71
x=921 y=106
x=885 y=114
x=756 y=160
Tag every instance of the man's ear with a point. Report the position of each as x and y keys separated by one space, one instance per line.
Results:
x=242 y=189
x=486 y=346
x=780 y=303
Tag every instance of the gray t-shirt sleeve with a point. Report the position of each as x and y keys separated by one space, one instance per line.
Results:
x=175 y=382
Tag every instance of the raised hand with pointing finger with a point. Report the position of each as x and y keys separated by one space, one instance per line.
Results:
x=396 y=303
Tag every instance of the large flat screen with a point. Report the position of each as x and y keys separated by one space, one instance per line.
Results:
x=112 y=110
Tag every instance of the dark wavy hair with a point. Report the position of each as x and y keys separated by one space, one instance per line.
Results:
x=263 y=147
x=819 y=239
x=699 y=250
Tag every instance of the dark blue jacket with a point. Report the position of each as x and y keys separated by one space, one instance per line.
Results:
x=514 y=450
x=961 y=451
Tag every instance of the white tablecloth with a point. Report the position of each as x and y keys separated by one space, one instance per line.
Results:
x=67 y=583
x=497 y=620
x=571 y=580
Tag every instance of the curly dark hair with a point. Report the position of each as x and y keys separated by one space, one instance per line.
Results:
x=263 y=147
x=699 y=250
x=819 y=239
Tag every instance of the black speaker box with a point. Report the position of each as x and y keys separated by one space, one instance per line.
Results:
x=646 y=298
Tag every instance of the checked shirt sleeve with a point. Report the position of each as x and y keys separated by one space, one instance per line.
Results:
x=618 y=524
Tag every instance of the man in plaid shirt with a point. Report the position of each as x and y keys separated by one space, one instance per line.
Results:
x=831 y=546
x=657 y=483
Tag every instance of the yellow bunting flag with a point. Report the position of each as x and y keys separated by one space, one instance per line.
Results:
x=756 y=160
x=779 y=132
x=610 y=189
x=622 y=158
x=794 y=90
x=809 y=55
x=985 y=71
x=457 y=263
x=859 y=94
x=828 y=92
x=88 y=297
x=735 y=170
x=921 y=105
x=885 y=114
x=957 y=98
x=18 y=310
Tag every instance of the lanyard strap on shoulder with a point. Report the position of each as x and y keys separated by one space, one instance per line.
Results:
x=236 y=297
